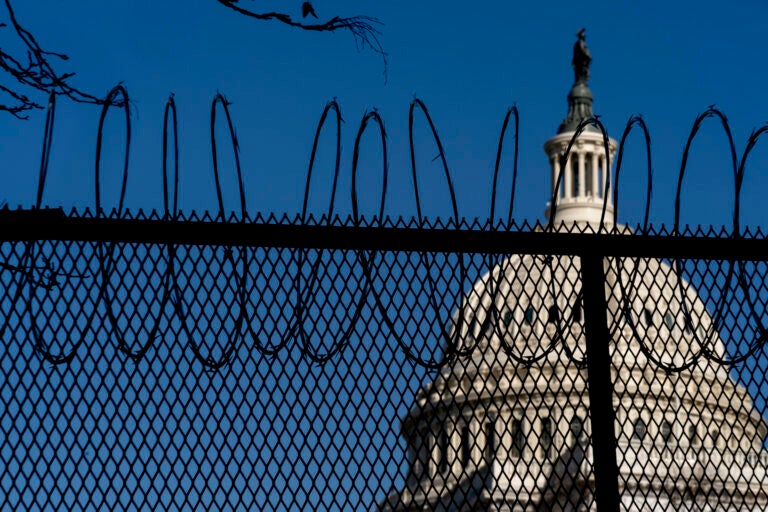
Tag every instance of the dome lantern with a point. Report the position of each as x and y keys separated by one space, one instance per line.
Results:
x=582 y=189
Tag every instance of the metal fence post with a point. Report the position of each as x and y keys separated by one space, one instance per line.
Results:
x=600 y=385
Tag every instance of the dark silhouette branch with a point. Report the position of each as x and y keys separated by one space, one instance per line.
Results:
x=34 y=71
x=31 y=68
x=363 y=28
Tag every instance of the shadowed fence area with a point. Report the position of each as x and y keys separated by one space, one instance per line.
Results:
x=333 y=366
x=174 y=361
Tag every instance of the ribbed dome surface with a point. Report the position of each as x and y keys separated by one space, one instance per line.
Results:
x=524 y=320
x=505 y=424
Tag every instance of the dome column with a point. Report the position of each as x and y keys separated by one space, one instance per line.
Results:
x=596 y=186
x=604 y=184
x=585 y=177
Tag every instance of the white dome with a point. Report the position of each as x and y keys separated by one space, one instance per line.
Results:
x=507 y=427
x=673 y=425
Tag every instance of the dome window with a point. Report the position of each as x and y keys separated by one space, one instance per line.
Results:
x=518 y=437
x=669 y=320
x=466 y=449
x=487 y=325
x=715 y=435
x=546 y=436
x=553 y=314
x=693 y=435
x=639 y=429
x=648 y=317
x=577 y=430
x=490 y=442
x=443 y=447
x=530 y=315
x=665 y=430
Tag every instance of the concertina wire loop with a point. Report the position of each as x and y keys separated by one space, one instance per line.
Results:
x=678 y=266
x=678 y=263
x=710 y=335
x=34 y=276
x=168 y=280
x=104 y=251
x=757 y=343
x=592 y=121
x=235 y=335
x=493 y=316
x=451 y=339
x=309 y=289
x=27 y=270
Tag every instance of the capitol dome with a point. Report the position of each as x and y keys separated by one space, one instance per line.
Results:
x=506 y=425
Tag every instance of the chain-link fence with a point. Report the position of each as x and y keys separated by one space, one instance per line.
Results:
x=265 y=365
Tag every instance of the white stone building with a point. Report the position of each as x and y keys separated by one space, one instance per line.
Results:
x=492 y=433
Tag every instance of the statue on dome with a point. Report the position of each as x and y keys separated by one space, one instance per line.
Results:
x=581 y=58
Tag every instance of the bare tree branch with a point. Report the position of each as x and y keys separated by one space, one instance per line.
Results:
x=34 y=71
x=363 y=28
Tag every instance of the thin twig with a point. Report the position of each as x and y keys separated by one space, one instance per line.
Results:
x=34 y=71
x=364 y=29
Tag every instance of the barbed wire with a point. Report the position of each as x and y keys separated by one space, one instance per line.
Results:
x=118 y=97
x=363 y=277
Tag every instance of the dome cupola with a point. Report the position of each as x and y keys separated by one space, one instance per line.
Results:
x=582 y=189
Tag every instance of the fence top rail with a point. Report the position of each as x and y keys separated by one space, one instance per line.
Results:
x=55 y=225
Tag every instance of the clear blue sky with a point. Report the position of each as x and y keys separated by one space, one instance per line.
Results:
x=467 y=61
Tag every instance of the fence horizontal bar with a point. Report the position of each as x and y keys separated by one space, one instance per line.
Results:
x=53 y=224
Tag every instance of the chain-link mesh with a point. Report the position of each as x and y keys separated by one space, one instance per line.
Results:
x=689 y=386
x=225 y=376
